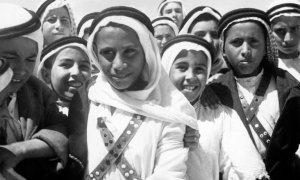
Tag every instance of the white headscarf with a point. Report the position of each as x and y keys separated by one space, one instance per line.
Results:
x=159 y=99
x=162 y=21
x=208 y=10
x=170 y=54
x=283 y=8
x=56 y=50
x=163 y=3
x=16 y=15
x=58 y=4
x=5 y=76
x=84 y=26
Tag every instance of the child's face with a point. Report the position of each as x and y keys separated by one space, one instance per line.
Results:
x=189 y=73
x=121 y=56
x=286 y=31
x=57 y=24
x=70 y=71
x=207 y=30
x=174 y=11
x=21 y=54
x=245 y=47
x=163 y=33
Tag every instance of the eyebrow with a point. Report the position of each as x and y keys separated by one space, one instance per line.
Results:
x=11 y=52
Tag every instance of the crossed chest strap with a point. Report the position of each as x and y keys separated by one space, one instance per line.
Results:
x=251 y=110
x=116 y=149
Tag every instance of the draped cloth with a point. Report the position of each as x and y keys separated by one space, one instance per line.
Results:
x=156 y=151
x=278 y=8
x=163 y=20
x=43 y=11
x=22 y=23
x=159 y=99
x=170 y=54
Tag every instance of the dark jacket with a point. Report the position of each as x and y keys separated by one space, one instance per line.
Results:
x=77 y=160
x=37 y=104
x=281 y=161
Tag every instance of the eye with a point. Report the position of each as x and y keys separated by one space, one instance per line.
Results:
x=51 y=19
x=66 y=65
x=65 y=21
x=200 y=33
x=254 y=41
x=280 y=31
x=169 y=11
x=31 y=60
x=178 y=10
x=181 y=67
x=159 y=37
x=236 y=42
x=84 y=67
x=199 y=70
x=130 y=52
x=108 y=54
x=295 y=28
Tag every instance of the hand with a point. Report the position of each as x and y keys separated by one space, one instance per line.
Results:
x=10 y=156
x=209 y=99
x=191 y=138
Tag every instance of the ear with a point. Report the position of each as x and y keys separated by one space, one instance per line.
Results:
x=46 y=75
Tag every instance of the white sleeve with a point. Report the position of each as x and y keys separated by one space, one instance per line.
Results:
x=171 y=156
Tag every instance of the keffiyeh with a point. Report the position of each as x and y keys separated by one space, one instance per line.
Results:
x=21 y=22
x=162 y=20
x=185 y=42
x=84 y=23
x=48 y=5
x=159 y=99
x=279 y=8
x=192 y=16
x=56 y=47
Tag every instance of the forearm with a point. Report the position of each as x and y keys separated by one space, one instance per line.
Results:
x=34 y=148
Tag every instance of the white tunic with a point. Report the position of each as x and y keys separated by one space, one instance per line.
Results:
x=290 y=65
x=203 y=162
x=155 y=152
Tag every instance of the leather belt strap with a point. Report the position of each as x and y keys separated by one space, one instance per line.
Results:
x=251 y=110
x=115 y=150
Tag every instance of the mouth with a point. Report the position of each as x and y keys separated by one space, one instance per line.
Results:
x=75 y=84
x=17 y=79
x=189 y=88
x=120 y=76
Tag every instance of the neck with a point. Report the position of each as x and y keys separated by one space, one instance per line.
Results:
x=254 y=73
x=288 y=56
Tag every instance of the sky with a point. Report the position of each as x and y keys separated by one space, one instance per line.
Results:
x=149 y=7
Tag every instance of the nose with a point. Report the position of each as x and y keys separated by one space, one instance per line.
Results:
x=208 y=38
x=173 y=14
x=288 y=37
x=20 y=68
x=189 y=74
x=75 y=70
x=163 y=41
x=58 y=24
x=246 y=50
x=118 y=63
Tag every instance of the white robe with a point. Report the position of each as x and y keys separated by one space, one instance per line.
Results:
x=155 y=152
x=203 y=162
x=291 y=65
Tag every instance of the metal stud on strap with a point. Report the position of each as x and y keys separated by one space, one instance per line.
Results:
x=115 y=150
